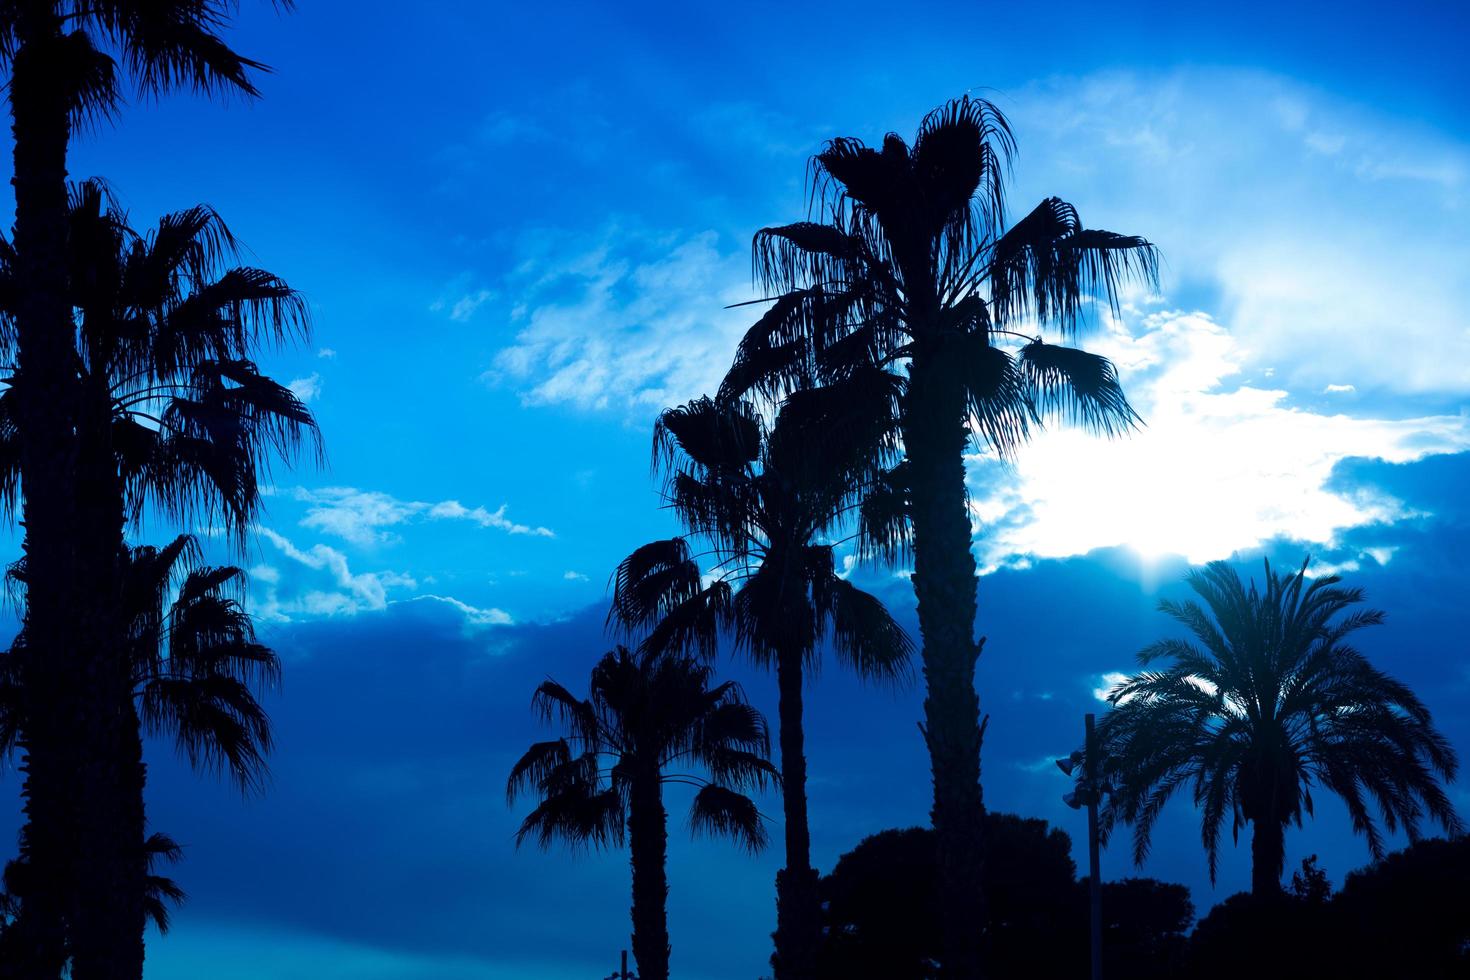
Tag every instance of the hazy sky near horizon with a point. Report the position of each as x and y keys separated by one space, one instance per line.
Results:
x=519 y=230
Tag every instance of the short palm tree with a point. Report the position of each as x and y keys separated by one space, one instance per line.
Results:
x=647 y=722
x=60 y=74
x=1267 y=699
x=908 y=263
x=174 y=418
x=767 y=502
x=195 y=666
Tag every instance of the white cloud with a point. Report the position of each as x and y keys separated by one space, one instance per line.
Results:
x=454 y=510
x=327 y=353
x=1107 y=683
x=574 y=577
x=1329 y=237
x=363 y=517
x=308 y=388
x=350 y=593
x=264 y=573
x=475 y=617
x=338 y=591
x=1339 y=389
x=466 y=305
x=461 y=301
x=1221 y=466
x=638 y=321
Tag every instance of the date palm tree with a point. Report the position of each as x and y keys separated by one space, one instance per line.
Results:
x=59 y=56
x=1267 y=699
x=173 y=419
x=195 y=667
x=648 y=722
x=907 y=267
x=767 y=502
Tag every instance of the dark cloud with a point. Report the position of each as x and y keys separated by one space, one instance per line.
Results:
x=385 y=825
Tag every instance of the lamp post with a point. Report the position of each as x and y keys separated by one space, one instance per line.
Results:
x=1088 y=792
x=622 y=973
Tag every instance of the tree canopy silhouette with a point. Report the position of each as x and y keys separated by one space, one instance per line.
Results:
x=1267 y=700
x=882 y=920
x=768 y=501
x=648 y=722
x=195 y=666
x=173 y=419
x=908 y=276
x=62 y=74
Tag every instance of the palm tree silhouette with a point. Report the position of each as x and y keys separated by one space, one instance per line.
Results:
x=161 y=892
x=909 y=262
x=767 y=501
x=195 y=665
x=60 y=76
x=173 y=418
x=648 y=722
x=1268 y=699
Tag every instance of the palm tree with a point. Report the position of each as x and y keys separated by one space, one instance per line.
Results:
x=1267 y=699
x=647 y=722
x=60 y=75
x=162 y=892
x=767 y=502
x=174 y=418
x=195 y=665
x=908 y=262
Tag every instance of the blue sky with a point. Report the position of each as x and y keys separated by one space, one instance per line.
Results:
x=518 y=229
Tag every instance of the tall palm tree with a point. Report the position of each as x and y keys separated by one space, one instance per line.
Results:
x=648 y=722
x=767 y=502
x=195 y=666
x=174 y=419
x=60 y=75
x=907 y=262
x=1265 y=700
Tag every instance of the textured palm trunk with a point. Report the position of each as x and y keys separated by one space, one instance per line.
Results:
x=107 y=936
x=1268 y=857
x=798 y=904
x=45 y=391
x=945 y=585
x=648 y=842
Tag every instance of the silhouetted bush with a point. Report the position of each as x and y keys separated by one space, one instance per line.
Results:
x=1406 y=916
x=882 y=914
x=1145 y=927
x=1267 y=936
x=1409 y=914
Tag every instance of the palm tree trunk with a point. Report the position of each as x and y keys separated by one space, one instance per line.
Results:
x=46 y=406
x=1268 y=856
x=648 y=842
x=110 y=918
x=945 y=584
x=798 y=905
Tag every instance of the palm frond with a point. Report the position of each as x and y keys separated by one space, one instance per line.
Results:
x=1047 y=266
x=1077 y=386
x=722 y=812
x=864 y=634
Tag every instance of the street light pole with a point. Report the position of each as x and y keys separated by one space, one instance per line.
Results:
x=623 y=973
x=1088 y=792
x=1094 y=882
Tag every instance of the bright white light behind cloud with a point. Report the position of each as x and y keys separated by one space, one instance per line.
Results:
x=1221 y=465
